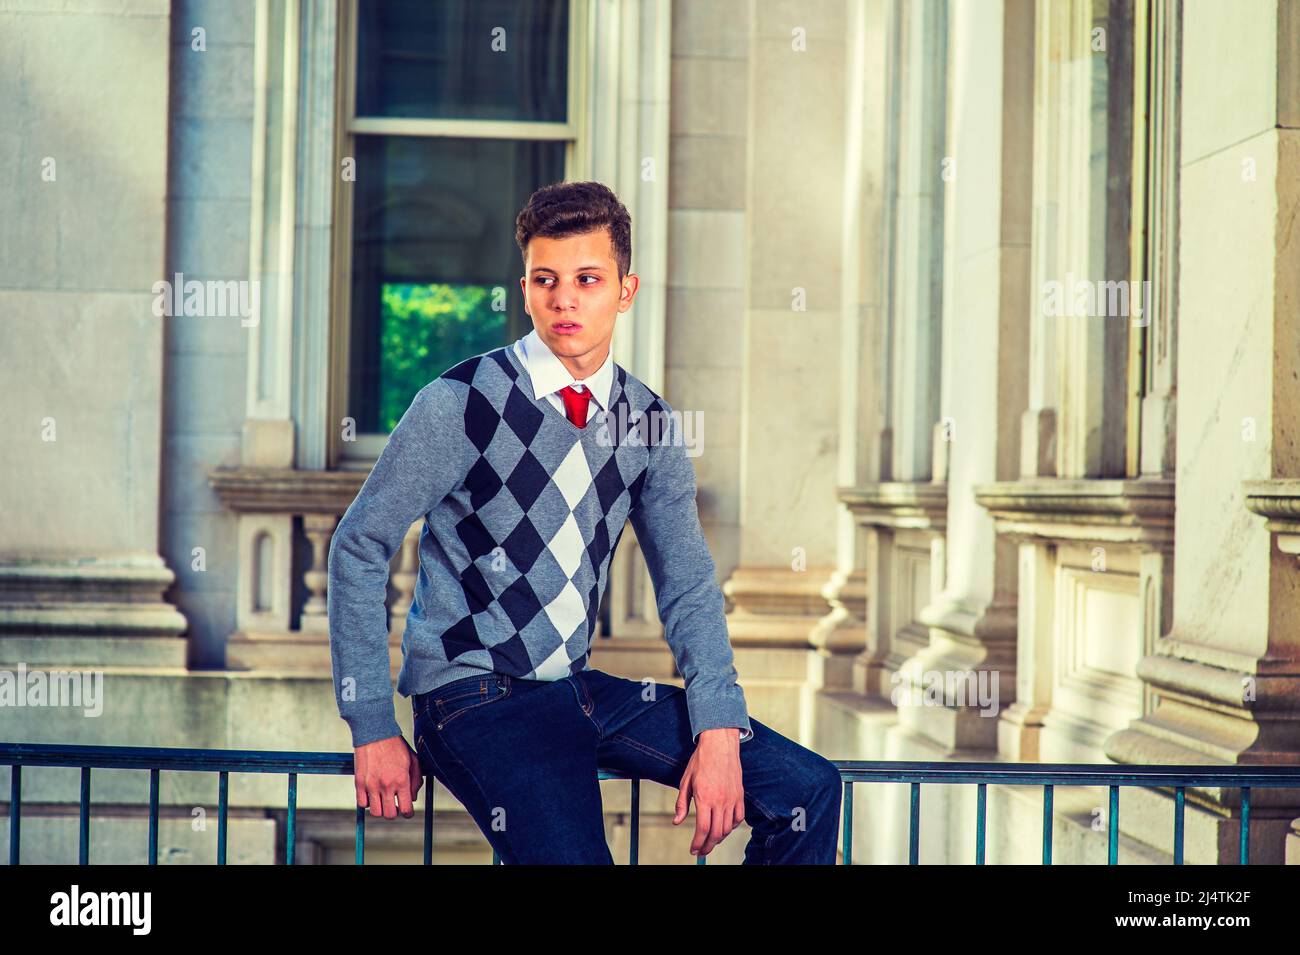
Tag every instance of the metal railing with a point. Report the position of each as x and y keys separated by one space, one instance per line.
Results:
x=155 y=760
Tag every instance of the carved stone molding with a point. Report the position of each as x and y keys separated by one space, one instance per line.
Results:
x=1137 y=511
x=775 y=606
x=1218 y=704
x=898 y=504
x=903 y=523
x=105 y=610
x=1066 y=706
x=285 y=490
x=1279 y=502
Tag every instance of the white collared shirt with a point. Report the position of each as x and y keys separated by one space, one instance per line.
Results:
x=549 y=374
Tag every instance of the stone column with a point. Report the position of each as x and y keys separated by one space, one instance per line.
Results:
x=900 y=499
x=1070 y=510
x=84 y=193
x=842 y=634
x=1224 y=677
x=917 y=236
x=790 y=392
x=972 y=620
x=634 y=128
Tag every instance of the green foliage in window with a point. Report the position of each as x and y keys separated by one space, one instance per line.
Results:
x=426 y=330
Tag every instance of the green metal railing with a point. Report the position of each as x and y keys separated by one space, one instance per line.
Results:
x=155 y=760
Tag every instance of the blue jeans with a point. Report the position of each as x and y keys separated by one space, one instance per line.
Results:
x=522 y=757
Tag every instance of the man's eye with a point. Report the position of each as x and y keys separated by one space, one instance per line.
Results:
x=596 y=278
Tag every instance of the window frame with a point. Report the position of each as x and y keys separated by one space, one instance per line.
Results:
x=362 y=452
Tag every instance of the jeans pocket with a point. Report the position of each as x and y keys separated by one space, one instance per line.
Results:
x=466 y=695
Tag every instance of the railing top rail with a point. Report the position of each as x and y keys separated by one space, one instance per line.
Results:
x=174 y=758
x=1068 y=774
x=854 y=770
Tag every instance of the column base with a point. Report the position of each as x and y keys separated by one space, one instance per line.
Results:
x=775 y=606
x=842 y=634
x=96 y=611
x=959 y=684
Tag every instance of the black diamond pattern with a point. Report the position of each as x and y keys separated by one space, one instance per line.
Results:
x=634 y=489
x=520 y=603
x=523 y=417
x=481 y=419
x=474 y=536
x=483 y=483
x=524 y=545
x=477 y=592
x=461 y=638
x=499 y=356
x=599 y=545
x=609 y=484
x=593 y=607
x=463 y=371
x=527 y=480
x=511 y=656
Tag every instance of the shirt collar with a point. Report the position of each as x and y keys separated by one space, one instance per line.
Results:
x=549 y=374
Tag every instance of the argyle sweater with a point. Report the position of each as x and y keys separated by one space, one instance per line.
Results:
x=523 y=512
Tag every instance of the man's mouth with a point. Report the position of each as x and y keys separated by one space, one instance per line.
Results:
x=566 y=328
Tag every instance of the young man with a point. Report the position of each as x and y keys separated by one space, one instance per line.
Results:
x=526 y=462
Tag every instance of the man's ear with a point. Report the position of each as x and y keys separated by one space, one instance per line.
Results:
x=631 y=282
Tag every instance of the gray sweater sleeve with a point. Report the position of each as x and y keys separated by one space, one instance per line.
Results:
x=426 y=457
x=687 y=595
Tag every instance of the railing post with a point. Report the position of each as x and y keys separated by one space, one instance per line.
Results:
x=1112 y=823
x=291 y=817
x=223 y=794
x=1245 y=825
x=15 y=811
x=1180 y=798
x=981 y=810
x=1047 y=824
x=428 y=820
x=153 y=816
x=636 y=820
x=361 y=836
x=83 y=849
x=848 y=822
x=914 y=827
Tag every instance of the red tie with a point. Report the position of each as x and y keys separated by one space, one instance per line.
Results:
x=575 y=404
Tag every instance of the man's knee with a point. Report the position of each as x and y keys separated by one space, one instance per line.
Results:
x=823 y=778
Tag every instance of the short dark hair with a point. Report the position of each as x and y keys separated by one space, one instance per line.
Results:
x=563 y=209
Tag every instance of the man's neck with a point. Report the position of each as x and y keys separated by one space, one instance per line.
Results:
x=584 y=366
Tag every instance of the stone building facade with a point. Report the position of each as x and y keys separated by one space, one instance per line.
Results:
x=989 y=307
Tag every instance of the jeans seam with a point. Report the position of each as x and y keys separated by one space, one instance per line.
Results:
x=763 y=809
x=481 y=691
x=649 y=750
x=590 y=705
x=461 y=684
x=424 y=747
x=464 y=709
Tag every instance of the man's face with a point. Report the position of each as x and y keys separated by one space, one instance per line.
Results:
x=573 y=294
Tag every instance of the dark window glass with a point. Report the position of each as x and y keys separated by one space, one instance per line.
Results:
x=435 y=268
x=442 y=59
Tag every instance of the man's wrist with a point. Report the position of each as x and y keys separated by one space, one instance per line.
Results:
x=720 y=734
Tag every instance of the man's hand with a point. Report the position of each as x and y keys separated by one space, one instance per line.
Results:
x=713 y=777
x=388 y=770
